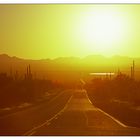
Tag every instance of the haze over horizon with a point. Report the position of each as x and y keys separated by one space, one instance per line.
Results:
x=69 y=70
x=59 y=57
x=52 y=31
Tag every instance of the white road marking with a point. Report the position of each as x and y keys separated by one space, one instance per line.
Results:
x=48 y=122
x=117 y=121
x=120 y=123
x=11 y=114
x=113 y=118
x=30 y=132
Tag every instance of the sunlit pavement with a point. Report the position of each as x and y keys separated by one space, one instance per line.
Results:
x=21 y=122
x=80 y=117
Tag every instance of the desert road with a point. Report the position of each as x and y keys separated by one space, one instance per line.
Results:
x=80 y=117
x=69 y=114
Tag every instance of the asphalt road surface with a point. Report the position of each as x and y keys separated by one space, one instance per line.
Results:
x=18 y=123
x=80 y=117
x=70 y=113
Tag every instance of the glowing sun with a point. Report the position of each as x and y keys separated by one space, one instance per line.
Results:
x=103 y=28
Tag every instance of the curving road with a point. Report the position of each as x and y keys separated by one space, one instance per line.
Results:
x=80 y=117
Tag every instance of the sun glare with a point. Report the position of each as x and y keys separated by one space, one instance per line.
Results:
x=102 y=29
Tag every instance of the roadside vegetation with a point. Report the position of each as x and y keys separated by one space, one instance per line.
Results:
x=17 y=94
x=119 y=97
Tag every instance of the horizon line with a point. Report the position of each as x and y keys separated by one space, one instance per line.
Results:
x=13 y=56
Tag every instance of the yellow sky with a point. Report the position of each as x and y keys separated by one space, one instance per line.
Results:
x=50 y=31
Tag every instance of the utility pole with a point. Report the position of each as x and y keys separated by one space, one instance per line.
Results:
x=133 y=69
x=131 y=72
x=110 y=75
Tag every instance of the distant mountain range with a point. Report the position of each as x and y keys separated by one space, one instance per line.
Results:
x=67 y=67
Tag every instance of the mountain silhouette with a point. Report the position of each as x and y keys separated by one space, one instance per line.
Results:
x=67 y=67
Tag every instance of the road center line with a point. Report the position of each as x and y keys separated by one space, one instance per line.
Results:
x=33 y=130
